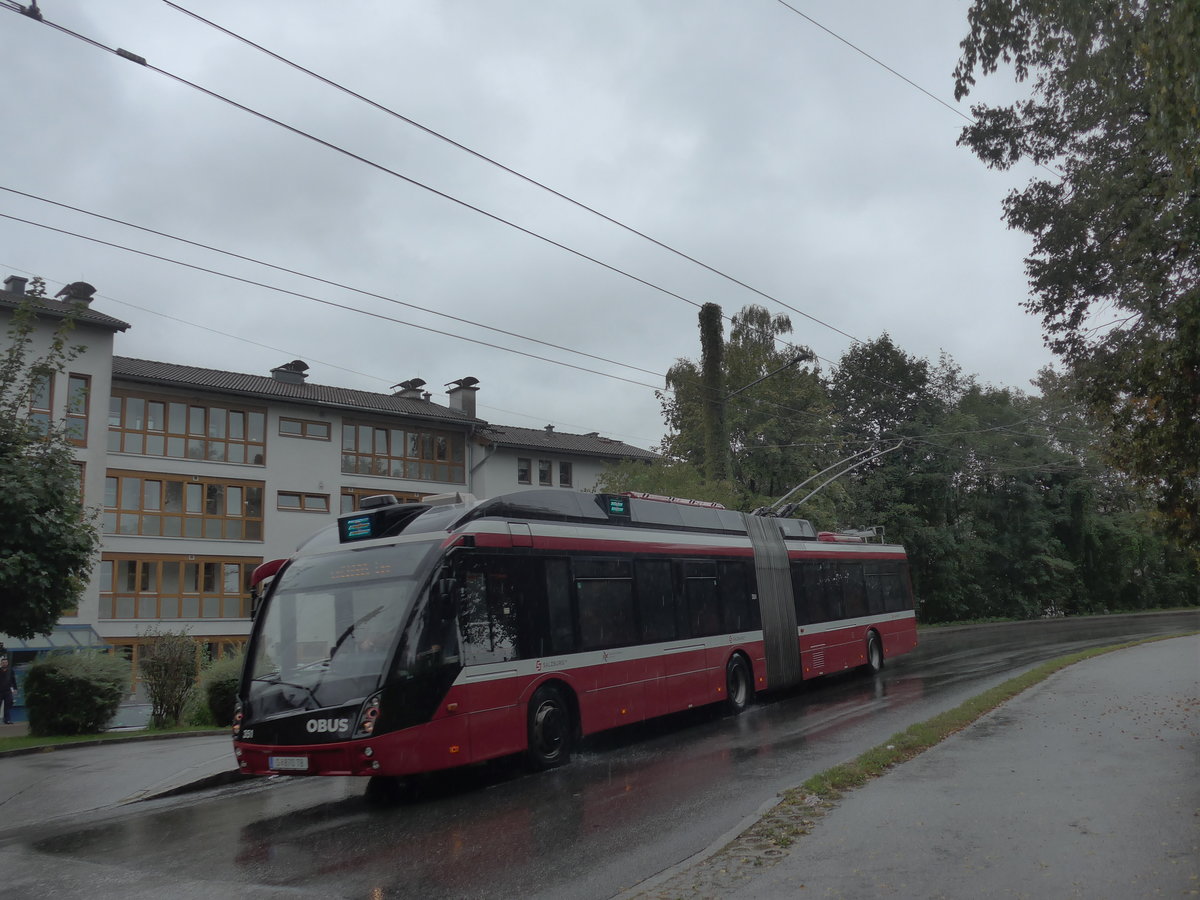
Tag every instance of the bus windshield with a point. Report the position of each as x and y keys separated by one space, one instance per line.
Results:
x=331 y=624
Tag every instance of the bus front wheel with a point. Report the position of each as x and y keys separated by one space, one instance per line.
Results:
x=550 y=728
x=739 y=688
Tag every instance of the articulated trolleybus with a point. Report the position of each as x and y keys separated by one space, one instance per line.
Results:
x=450 y=631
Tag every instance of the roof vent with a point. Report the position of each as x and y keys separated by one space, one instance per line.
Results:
x=549 y=429
x=15 y=284
x=409 y=390
x=291 y=373
x=76 y=292
x=462 y=394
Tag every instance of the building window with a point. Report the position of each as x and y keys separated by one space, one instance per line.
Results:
x=523 y=472
x=545 y=472
x=415 y=455
x=305 y=428
x=352 y=497
x=177 y=506
x=207 y=648
x=564 y=475
x=153 y=426
x=139 y=586
x=79 y=391
x=41 y=401
x=293 y=500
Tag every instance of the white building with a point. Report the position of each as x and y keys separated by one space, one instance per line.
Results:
x=199 y=475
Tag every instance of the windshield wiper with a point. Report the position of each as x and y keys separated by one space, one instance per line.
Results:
x=267 y=679
x=349 y=631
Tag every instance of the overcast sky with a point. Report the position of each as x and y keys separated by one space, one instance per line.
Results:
x=736 y=132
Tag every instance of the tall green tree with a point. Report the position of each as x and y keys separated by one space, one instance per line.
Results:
x=776 y=411
x=1114 y=106
x=712 y=377
x=47 y=540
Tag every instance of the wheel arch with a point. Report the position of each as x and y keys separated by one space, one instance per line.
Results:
x=568 y=692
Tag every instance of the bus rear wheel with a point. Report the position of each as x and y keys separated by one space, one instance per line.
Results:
x=550 y=728
x=874 y=653
x=739 y=688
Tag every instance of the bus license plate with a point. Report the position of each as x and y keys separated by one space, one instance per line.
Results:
x=289 y=763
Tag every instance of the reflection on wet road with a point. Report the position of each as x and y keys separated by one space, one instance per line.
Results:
x=633 y=802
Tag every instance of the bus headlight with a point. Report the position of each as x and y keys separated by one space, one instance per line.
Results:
x=237 y=720
x=368 y=717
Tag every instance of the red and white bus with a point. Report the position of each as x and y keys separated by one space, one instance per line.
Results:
x=435 y=634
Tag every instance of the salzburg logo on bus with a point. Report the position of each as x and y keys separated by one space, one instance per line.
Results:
x=326 y=726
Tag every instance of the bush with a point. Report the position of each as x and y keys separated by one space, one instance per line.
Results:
x=75 y=693
x=196 y=712
x=168 y=665
x=219 y=685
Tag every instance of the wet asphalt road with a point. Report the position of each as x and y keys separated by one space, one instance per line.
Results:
x=631 y=805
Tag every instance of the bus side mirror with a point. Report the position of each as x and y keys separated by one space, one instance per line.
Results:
x=445 y=594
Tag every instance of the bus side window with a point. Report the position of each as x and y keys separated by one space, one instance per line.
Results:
x=805 y=590
x=894 y=580
x=736 y=589
x=604 y=588
x=701 y=601
x=879 y=578
x=560 y=624
x=488 y=611
x=855 y=593
x=831 y=583
x=656 y=599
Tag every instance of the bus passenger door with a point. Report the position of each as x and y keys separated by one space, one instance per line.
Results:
x=494 y=625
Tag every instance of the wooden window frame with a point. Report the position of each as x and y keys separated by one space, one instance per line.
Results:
x=425 y=454
x=190 y=428
x=41 y=416
x=153 y=592
x=566 y=474
x=130 y=648
x=77 y=420
x=195 y=502
x=352 y=496
x=545 y=473
x=303 y=500
x=305 y=425
x=528 y=470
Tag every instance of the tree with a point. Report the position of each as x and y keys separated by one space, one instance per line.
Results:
x=1115 y=268
x=776 y=413
x=712 y=375
x=169 y=664
x=47 y=540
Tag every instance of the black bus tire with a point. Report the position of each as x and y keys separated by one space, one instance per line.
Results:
x=551 y=728
x=874 y=653
x=739 y=685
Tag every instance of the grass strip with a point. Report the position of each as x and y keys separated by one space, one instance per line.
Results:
x=30 y=743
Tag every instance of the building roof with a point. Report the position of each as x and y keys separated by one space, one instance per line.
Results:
x=264 y=387
x=547 y=439
x=57 y=309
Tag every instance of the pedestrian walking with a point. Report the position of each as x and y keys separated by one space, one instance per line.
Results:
x=8 y=689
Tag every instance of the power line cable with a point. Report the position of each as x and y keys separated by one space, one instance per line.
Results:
x=508 y=169
x=306 y=355
x=325 y=281
x=353 y=309
x=324 y=302
x=936 y=99
x=299 y=132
